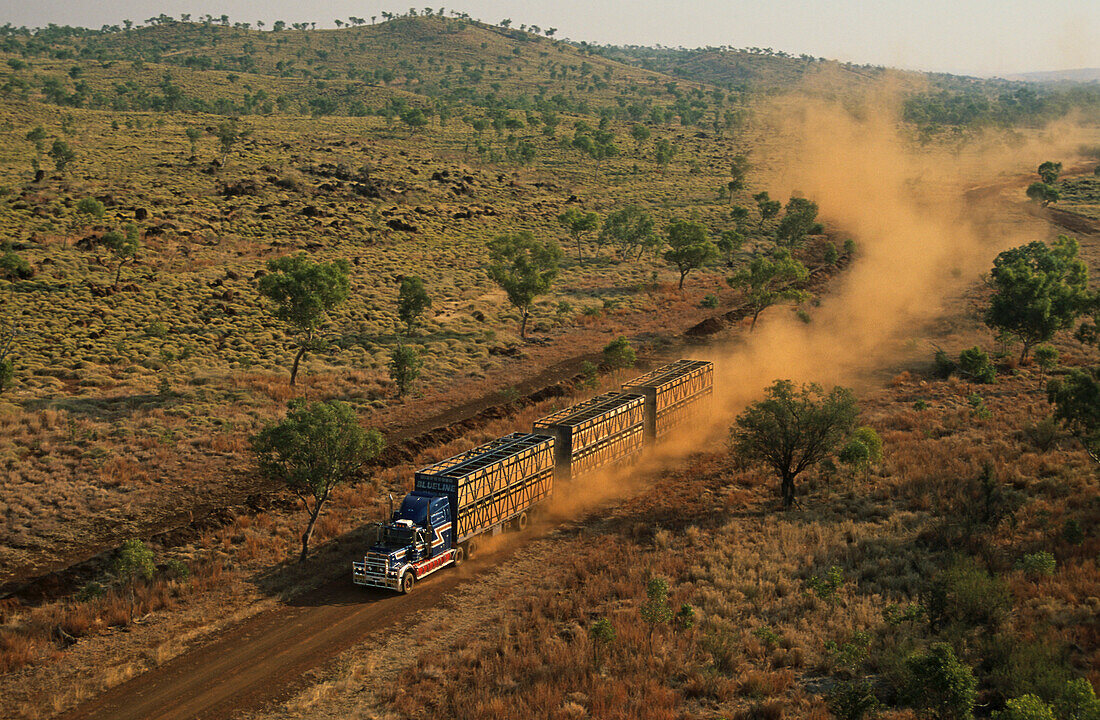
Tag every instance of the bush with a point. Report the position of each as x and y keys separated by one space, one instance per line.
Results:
x=1039 y=564
x=831 y=254
x=944 y=364
x=863 y=450
x=975 y=364
x=90 y=591
x=591 y=375
x=710 y=301
x=14 y=267
x=941 y=684
x=177 y=569
x=966 y=594
x=1027 y=707
x=1077 y=702
x=90 y=206
x=852 y=699
x=825 y=587
x=1072 y=532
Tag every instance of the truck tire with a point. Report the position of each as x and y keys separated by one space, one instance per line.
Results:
x=408 y=582
x=471 y=549
x=521 y=522
x=460 y=555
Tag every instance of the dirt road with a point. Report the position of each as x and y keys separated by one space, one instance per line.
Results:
x=266 y=658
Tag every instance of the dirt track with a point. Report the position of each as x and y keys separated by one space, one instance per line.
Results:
x=266 y=658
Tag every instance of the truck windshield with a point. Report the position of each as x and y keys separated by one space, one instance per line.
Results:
x=397 y=535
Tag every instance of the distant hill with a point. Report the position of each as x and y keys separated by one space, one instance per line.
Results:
x=1081 y=75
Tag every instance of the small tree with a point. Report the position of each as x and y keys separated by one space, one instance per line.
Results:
x=663 y=152
x=1042 y=193
x=640 y=133
x=690 y=247
x=941 y=684
x=133 y=561
x=1038 y=290
x=618 y=355
x=768 y=208
x=412 y=301
x=228 y=134
x=90 y=208
x=863 y=450
x=1046 y=357
x=630 y=228
x=405 y=365
x=314 y=449
x=193 y=135
x=793 y=429
x=577 y=223
x=799 y=221
x=1025 y=707
x=13 y=266
x=303 y=293
x=603 y=634
x=414 y=117
x=1077 y=701
x=656 y=609
x=1076 y=401
x=598 y=145
x=767 y=281
x=524 y=268
x=124 y=246
x=62 y=155
x=1049 y=171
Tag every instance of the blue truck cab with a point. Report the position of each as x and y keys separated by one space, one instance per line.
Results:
x=417 y=541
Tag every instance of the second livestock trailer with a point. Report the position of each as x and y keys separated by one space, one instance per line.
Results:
x=673 y=393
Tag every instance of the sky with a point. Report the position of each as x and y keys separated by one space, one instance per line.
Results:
x=975 y=37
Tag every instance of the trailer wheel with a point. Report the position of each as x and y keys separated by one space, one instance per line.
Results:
x=471 y=549
x=521 y=522
x=408 y=581
x=460 y=555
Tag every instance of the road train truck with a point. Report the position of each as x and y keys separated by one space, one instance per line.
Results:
x=498 y=485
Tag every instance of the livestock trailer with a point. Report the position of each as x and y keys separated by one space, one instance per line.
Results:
x=673 y=394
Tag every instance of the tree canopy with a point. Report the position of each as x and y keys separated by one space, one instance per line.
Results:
x=302 y=293
x=1039 y=289
x=524 y=268
x=629 y=228
x=690 y=248
x=412 y=301
x=315 y=448
x=793 y=428
x=577 y=222
x=767 y=281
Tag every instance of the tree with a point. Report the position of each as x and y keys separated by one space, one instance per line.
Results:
x=13 y=266
x=792 y=429
x=619 y=355
x=941 y=684
x=1077 y=702
x=729 y=244
x=663 y=152
x=124 y=246
x=414 y=117
x=767 y=281
x=1025 y=707
x=602 y=633
x=656 y=609
x=577 y=222
x=1039 y=289
x=768 y=208
x=133 y=562
x=863 y=449
x=1043 y=194
x=303 y=293
x=799 y=221
x=524 y=268
x=629 y=228
x=228 y=134
x=739 y=168
x=62 y=155
x=1076 y=401
x=1046 y=357
x=9 y=331
x=412 y=301
x=90 y=208
x=1049 y=171
x=315 y=448
x=405 y=365
x=690 y=247
x=193 y=135
x=598 y=145
x=640 y=133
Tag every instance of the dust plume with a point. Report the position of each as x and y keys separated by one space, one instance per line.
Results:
x=924 y=231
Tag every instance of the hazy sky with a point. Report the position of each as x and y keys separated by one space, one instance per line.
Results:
x=969 y=36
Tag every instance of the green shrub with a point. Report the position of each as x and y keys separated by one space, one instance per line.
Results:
x=940 y=684
x=852 y=699
x=90 y=206
x=90 y=591
x=1077 y=702
x=831 y=254
x=966 y=594
x=177 y=569
x=14 y=267
x=826 y=586
x=944 y=365
x=1026 y=707
x=1038 y=564
x=863 y=450
x=920 y=404
x=1072 y=532
x=975 y=365
x=710 y=301
x=977 y=406
x=591 y=375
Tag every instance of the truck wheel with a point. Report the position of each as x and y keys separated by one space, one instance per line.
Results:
x=521 y=522
x=460 y=556
x=408 y=581
x=471 y=549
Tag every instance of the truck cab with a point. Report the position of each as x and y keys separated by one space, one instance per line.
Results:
x=417 y=541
